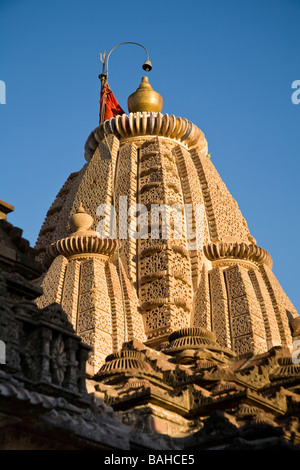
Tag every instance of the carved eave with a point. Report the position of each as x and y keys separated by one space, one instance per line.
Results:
x=219 y=252
x=197 y=346
x=132 y=372
x=190 y=338
x=124 y=361
x=146 y=124
x=80 y=244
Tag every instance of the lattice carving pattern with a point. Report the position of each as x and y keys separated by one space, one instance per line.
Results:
x=224 y=216
x=165 y=291
x=126 y=185
x=135 y=324
x=55 y=224
x=117 y=311
x=219 y=307
x=281 y=304
x=167 y=285
x=201 y=311
x=71 y=290
x=269 y=316
x=91 y=187
x=52 y=283
x=164 y=319
x=192 y=194
x=247 y=323
x=94 y=321
x=95 y=187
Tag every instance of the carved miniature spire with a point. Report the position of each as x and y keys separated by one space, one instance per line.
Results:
x=81 y=220
x=145 y=99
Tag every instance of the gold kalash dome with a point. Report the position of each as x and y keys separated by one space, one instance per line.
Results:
x=177 y=328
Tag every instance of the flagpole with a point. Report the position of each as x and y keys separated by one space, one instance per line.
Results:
x=103 y=78
x=147 y=66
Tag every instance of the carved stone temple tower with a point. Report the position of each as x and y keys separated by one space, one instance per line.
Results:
x=147 y=288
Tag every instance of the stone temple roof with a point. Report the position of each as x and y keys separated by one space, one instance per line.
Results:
x=224 y=284
x=186 y=335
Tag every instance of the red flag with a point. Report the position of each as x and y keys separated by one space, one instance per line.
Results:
x=109 y=107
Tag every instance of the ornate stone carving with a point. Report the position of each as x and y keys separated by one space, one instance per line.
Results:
x=234 y=250
x=145 y=124
x=247 y=325
x=123 y=361
x=58 y=360
x=191 y=388
x=81 y=245
x=190 y=338
x=220 y=322
x=159 y=284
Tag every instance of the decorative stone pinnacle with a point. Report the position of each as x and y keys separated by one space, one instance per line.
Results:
x=81 y=220
x=82 y=242
x=81 y=208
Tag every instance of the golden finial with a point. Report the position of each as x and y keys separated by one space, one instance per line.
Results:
x=145 y=99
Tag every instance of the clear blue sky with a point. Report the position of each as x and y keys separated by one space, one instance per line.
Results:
x=227 y=66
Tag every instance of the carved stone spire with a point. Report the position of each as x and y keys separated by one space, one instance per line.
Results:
x=224 y=284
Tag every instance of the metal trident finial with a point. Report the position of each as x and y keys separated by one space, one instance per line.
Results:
x=103 y=57
x=103 y=60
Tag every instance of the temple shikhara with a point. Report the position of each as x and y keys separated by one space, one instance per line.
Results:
x=142 y=342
